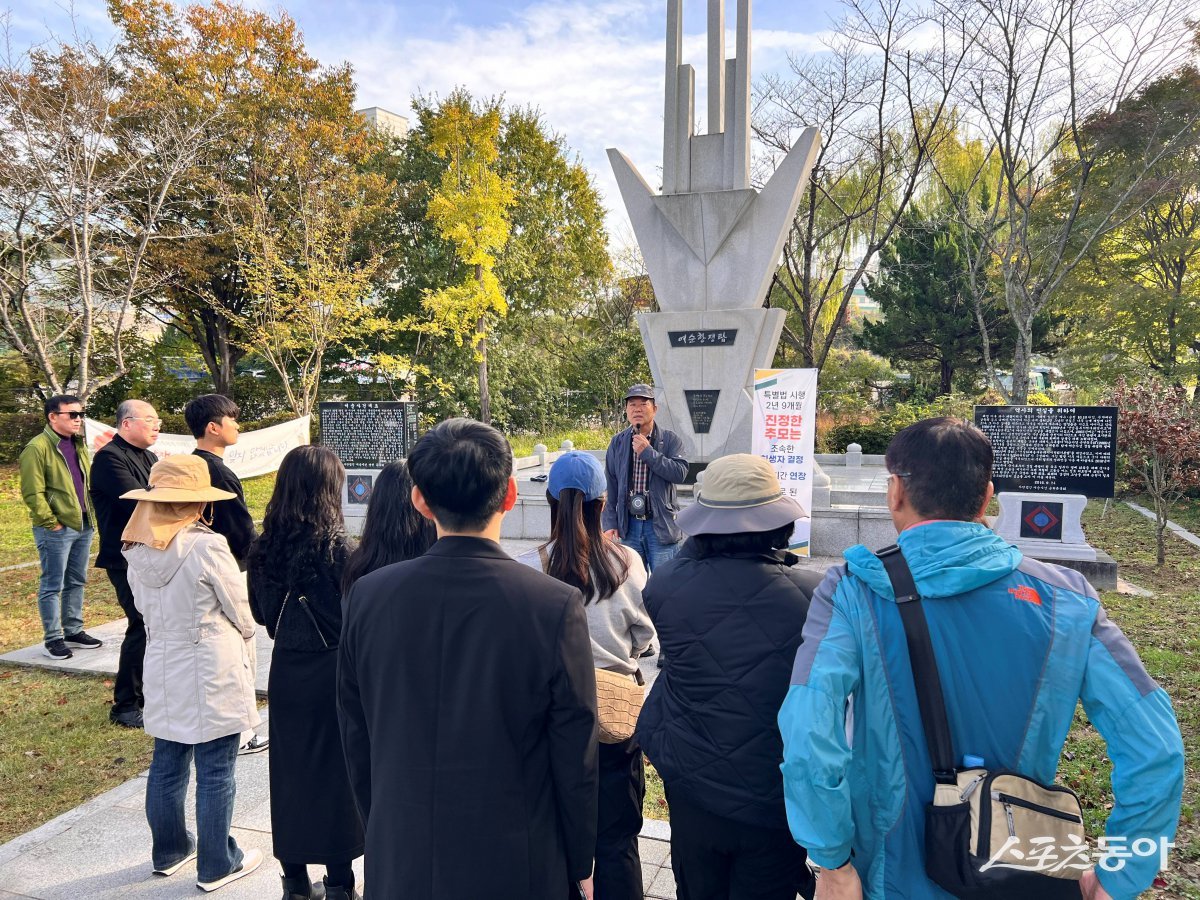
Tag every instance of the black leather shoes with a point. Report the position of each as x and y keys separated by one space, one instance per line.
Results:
x=337 y=892
x=129 y=719
x=301 y=889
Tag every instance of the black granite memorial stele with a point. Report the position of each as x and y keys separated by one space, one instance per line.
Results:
x=1052 y=449
x=702 y=405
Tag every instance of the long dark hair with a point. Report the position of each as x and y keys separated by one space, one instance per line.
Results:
x=304 y=515
x=581 y=555
x=394 y=530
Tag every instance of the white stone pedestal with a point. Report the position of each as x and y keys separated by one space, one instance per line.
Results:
x=1023 y=517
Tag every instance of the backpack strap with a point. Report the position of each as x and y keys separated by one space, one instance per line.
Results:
x=926 y=678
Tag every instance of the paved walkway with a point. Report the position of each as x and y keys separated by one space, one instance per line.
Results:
x=101 y=849
x=1171 y=526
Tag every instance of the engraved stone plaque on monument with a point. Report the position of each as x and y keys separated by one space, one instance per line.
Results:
x=702 y=405
x=1048 y=461
x=366 y=436
x=711 y=243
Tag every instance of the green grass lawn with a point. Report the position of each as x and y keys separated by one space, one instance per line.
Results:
x=1165 y=629
x=583 y=439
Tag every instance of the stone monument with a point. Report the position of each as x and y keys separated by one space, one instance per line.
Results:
x=366 y=436
x=1048 y=461
x=711 y=244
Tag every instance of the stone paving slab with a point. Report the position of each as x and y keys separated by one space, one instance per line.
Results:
x=101 y=849
x=104 y=660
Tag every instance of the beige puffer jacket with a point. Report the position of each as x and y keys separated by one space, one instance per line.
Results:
x=198 y=678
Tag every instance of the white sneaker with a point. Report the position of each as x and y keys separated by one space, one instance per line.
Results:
x=251 y=861
x=171 y=870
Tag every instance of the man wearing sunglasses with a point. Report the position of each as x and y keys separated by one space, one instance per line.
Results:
x=54 y=485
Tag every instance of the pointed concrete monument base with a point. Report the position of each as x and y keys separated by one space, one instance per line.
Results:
x=711 y=244
x=703 y=364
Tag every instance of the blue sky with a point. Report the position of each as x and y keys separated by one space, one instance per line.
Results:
x=593 y=67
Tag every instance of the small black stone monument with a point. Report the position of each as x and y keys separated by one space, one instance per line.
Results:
x=366 y=436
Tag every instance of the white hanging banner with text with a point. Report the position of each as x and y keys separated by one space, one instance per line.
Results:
x=785 y=432
x=256 y=452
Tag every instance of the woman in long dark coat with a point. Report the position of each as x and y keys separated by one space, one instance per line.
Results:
x=295 y=575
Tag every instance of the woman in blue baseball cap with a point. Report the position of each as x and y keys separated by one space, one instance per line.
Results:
x=611 y=577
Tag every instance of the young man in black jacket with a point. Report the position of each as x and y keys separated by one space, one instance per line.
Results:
x=212 y=420
x=467 y=699
x=121 y=465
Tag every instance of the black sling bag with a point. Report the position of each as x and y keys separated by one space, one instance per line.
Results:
x=988 y=833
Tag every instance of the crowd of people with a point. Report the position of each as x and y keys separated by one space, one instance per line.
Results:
x=433 y=701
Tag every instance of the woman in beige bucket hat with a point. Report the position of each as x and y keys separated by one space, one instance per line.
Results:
x=729 y=610
x=198 y=678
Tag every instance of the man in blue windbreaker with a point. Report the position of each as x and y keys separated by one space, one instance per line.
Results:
x=1018 y=643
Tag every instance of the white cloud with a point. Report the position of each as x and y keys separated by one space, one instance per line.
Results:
x=593 y=67
x=595 y=70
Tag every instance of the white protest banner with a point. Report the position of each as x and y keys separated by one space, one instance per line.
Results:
x=255 y=453
x=785 y=431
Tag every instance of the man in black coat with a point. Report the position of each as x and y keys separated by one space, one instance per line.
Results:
x=121 y=465
x=467 y=699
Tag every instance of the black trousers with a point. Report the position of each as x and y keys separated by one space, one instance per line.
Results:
x=622 y=788
x=127 y=689
x=715 y=858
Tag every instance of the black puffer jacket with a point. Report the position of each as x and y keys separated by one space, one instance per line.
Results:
x=729 y=628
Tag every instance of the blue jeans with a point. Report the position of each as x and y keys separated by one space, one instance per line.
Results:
x=64 y=557
x=217 y=852
x=641 y=537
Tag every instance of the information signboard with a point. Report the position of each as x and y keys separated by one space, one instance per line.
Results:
x=1052 y=449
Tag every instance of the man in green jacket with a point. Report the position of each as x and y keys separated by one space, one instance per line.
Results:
x=54 y=485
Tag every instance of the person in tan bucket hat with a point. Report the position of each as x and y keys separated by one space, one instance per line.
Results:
x=729 y=610
x=739 y=493
x=198 y=676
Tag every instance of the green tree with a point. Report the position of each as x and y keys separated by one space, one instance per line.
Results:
x=307 y=293
x=933 y=313
x=922 y=292
x=554 y=270
x=1056 y=88
x=265 y=103
x=470 y=210
x=1137 y=296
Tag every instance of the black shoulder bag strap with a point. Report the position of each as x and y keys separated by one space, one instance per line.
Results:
x=928 y=682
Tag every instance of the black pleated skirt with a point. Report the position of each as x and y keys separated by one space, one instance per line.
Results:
x=313 y=816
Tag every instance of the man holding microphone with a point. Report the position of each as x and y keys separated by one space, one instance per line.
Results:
x=642 y=467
